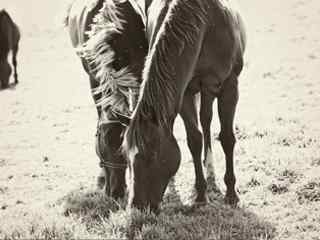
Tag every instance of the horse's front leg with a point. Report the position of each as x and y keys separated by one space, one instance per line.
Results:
x=188 y=113
x=227 y=102
x=205 y=119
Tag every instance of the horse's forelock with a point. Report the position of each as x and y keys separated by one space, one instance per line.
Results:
x=115 y=86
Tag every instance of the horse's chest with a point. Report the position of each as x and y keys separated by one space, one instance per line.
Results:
x=205 y=81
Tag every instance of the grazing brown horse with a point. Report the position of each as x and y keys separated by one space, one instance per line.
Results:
x=110 y=39
x=9 y=41
x=195 y=46
x=114 y=44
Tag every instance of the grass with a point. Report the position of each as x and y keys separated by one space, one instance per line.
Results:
x=87 y=214
x=279 y=190
x=277 y=155
x=309 y=192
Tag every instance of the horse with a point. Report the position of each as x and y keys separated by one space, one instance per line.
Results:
x=83 y=17
x=110 y=40
x=194 y=47
x=9 y=41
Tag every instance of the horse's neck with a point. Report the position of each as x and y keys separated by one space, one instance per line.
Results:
x=172 y=59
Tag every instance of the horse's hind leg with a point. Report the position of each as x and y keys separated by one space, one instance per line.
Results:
x=194 y=139
x=227 y=102
x=5 y=72
x=14 y=62
x=205 y=119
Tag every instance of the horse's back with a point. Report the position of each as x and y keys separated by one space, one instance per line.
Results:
x=222 y=47
x=9 y=33
x=224 y=42
x=235 y=18
x=80 y=16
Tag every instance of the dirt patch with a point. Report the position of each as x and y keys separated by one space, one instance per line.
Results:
x=309 y=192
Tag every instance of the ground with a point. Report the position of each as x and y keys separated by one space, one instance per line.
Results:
x=47 y=124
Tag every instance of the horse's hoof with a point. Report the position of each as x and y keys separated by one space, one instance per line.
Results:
x=199 y=204
x=200 y=201
x=232 y=200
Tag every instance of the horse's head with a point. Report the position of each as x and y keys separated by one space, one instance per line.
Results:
x=108 y=141
x=5 y=72
x=128 y=46
x=152 y=159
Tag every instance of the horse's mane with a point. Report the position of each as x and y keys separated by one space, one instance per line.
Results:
x=158 y=94
x=116 y=86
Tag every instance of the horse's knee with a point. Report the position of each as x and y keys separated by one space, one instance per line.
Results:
x=194 y=140
x=227 y=139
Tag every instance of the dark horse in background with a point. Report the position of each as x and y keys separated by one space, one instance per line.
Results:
x=9 y=41
x=115 y=34
x=194 y=47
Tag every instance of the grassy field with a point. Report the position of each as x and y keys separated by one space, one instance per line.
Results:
x=47 y=123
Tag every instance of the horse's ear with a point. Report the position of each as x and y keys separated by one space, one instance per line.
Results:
x=123 y=119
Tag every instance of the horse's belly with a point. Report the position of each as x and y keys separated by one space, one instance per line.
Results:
x=219 y=55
